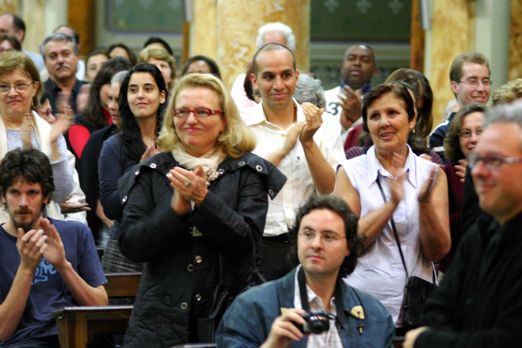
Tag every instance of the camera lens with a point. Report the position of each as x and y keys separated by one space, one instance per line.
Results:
x=316 y=322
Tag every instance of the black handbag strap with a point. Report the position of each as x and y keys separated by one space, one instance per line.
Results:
x=395 y=234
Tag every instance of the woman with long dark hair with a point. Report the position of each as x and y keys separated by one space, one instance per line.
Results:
x=96 y=115
x=142 y=98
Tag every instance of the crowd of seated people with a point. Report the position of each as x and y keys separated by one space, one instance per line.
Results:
x=342 y=194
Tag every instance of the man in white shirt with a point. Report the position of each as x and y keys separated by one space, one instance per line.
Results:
x=302 y=141
x=357 y=70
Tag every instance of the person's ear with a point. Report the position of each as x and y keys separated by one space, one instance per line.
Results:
x=454 y=87
x=253 y=80
x=163 y=97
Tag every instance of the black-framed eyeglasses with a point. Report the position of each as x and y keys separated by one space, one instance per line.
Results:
x=492 y=162
x=18 y=87
x=198 y=112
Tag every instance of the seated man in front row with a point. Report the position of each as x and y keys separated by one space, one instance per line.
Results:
x=479 y=301
x=272 y=314
x=45 y=264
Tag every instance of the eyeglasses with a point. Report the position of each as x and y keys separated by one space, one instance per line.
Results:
x=326 y=236
x=492 y=162
x=468 y=133
x=198 y=112
x=19 y=87
x=486 y=82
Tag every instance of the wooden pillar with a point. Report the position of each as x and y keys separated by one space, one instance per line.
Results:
x=416 y=37
x=226 y=30
x=515 y=41
x=203 y=29
x=453 y=32
x=8 y=6
x=81 y=15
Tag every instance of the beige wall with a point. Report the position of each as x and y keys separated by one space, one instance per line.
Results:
x=226 y=30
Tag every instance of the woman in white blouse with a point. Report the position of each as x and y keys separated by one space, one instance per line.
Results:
x=391 y=182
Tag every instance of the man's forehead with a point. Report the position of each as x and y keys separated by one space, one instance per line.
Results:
x=502 y=138
x=360 y=50
x=266 y=60
x=475 y=69
x=58 y=45
x=6 y=22
x=20 y=181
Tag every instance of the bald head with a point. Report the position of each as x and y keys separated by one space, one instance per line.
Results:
x=12 y=25
x=271 y=46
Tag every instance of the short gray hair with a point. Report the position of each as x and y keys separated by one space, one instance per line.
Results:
x=119 y=76
x=309 y=90
x=276 y=27
x=59 y=37
x=504 y=113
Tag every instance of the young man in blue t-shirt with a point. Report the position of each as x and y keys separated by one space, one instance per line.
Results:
x=45 y=264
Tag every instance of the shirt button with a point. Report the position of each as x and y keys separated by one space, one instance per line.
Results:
x=270 y=192
x=197 y=297
x=241 y=163
x=184 y=305
x=152 y=165
x=124 y=199
x=198 y=259
x=136 y=172
x=190 y=267
x=259 y=168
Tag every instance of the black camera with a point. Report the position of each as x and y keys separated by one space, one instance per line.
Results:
x=316 y=322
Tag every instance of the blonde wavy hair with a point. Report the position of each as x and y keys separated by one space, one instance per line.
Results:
x=235 y=140
x=159 y=53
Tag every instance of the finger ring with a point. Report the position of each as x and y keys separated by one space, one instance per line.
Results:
x=187 y=183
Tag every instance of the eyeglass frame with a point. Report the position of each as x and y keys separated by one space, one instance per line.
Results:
x=486 y=82
x=474 y=158
x=211 y=112
x=15 y=86
x=328 y=237
x=467 y=135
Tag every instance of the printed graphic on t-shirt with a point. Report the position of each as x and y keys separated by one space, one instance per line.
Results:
x=43 y=272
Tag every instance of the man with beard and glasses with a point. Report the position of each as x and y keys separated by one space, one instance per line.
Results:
x=61 y=54
x=45 y=264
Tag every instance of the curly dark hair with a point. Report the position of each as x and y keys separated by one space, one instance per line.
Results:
x=338 y=206
x=31 y=164
x=133 y=146
x=452 y=148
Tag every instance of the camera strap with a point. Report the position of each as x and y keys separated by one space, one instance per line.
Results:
x=303 y=293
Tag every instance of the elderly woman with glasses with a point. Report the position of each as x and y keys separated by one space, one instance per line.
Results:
x=20 y=125
x=193 y=215
x=395 y=193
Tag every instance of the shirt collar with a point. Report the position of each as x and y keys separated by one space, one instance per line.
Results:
x=364 y=89
x=375 y=167
x=257 y=114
